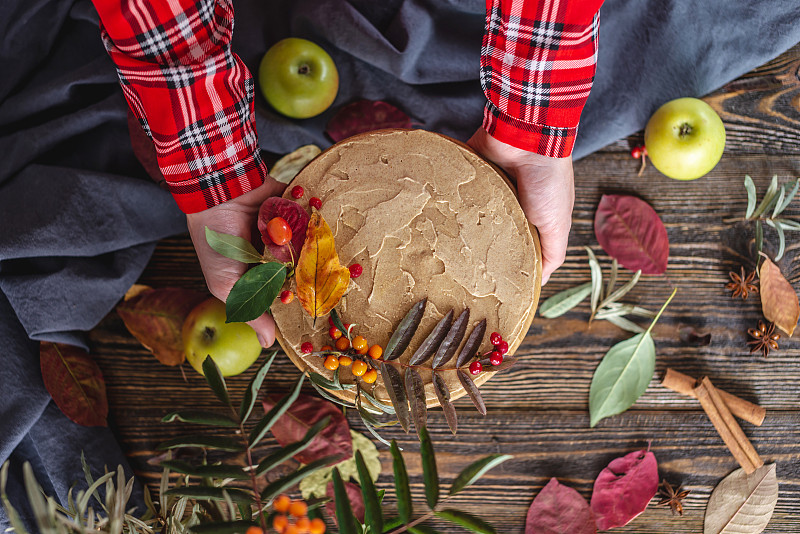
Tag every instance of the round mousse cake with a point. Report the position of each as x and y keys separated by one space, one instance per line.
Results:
x=425 y=217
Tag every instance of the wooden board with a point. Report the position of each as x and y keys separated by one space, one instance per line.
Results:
x=538 y=410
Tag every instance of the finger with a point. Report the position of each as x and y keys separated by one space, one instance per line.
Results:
x=554 y=251
x=265 y=330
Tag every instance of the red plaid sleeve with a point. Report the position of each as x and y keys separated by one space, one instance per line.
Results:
x=537 y=67
x=193 y=96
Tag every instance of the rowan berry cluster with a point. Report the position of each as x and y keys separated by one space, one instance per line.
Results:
x=500 y=348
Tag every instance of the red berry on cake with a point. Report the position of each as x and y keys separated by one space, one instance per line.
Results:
x=287 y=296
x=495 y=358
x=307 y=348
x=495 y=338
x=475 y=368
x=297 y=192
x=279 y=231
x=502 y=347
x=335 y=333
x=316 y=203
x=356 y=270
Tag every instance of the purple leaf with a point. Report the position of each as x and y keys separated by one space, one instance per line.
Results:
x=365 y=116
x=559 y=510
x=623 y=489
x=353 y=493
x=296 y=217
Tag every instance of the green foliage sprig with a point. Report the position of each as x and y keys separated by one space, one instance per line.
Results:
x=776 y=199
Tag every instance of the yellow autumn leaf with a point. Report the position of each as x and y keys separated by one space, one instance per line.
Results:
x=321 y=279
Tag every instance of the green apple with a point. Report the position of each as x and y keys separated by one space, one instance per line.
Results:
x=685 y=138
x=298 y=78
x=233 y=346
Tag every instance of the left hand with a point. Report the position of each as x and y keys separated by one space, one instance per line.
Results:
x=546 y=192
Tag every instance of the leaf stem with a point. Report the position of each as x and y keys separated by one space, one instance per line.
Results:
x=658 y=315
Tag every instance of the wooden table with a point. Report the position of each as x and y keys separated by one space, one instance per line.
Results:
x=538 y=410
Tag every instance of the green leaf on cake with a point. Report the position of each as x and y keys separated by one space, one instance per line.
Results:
x=233 y=247
x=254 y=292
x=623 y=374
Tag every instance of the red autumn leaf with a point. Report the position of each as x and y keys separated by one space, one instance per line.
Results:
x=296 y=217
x=334 y=440
x=365 y=116
x=559 y=510
x=155 y=318
x=356 y=500
x=778 y=299
x=75 y=382
x=623 y=489
x=629 y=229
x=144 y=150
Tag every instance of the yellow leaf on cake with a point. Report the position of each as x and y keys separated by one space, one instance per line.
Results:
x=321 y=279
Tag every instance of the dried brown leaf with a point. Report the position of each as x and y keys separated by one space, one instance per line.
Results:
x=432 y=342
x=415 y=389
x=401 y=337
x=452 y=340
x=778 y=299
x=75 y=382
x=443 y=394
x=742 y=503
x=472 y=345
x=395 y=387
x=472 y=391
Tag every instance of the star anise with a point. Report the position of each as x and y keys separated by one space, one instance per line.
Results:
x=741 y=284
x=671 y=497
x=764 y=338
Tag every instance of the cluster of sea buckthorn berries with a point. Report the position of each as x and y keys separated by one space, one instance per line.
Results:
x=348 y=353
x=291 y=517
x=495 y=355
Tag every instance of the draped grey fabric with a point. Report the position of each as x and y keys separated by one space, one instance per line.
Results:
x=79 y=218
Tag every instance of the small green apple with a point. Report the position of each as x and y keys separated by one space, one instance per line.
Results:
x=233 y=346
x=298 y=78
x=685 y=138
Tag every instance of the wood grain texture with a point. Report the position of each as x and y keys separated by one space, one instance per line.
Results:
x=538 y=409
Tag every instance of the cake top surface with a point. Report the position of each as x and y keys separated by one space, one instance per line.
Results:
x=425 y=217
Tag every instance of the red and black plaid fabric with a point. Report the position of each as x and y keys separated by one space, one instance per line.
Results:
x=537 y=67
x=193 y=96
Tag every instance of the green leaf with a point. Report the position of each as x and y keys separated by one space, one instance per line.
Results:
x=201 y=417
x=781 y=242
x=769 y=198
x=344 y=512
x=395 y=387
x=254 y=292
x=622 y=291
x=369 y=421
x=788 y=224
x=215 y=380
x=266 y=422
x=597 y=278
x=432 y=342
x=401 y=486
x=422 y=528
x=625 y=324
x=562 y=302
x=321 y=381
x=385 y=408
x=750 y=187
x=476 y=470
x=208 y=442
x=13 y=517
x=327 y=396
x=337 y=322
x=779 y=201
x=780 y=206
x=372 y=506
x=284 y=453
x=430 y=475
x=206 y=471
x=251 y=393
x=233 y=247
x=282 y=484
x=623 y=374
x=226 y=527
x=415 y=389
x=467 y=520
x=208 y=493
x=401 y=337
x=612 y=279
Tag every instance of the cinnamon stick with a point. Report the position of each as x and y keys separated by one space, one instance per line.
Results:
x=727 y=427
x=746 y=410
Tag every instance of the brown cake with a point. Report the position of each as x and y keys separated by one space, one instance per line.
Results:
x=425 y=217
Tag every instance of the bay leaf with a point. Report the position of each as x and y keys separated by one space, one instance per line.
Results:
x=415 y=389
x=432 y=342
x=75 y=382
x=286 y=168
x=402 y=335
x=155 y=318
x=778 y=298
x=395 y=387
x=365 y=116
x=232 y=246
x=452 y=340
x=254 y=292
x=295 y=216
x=472 y=391
x=630 y=230
x=563 y=301
x=742 y=503
x=769 y=198
x=597 y=279
x=301 y=416
x=443 y=394
x=559 y=509
x=321 y=279
x=750 y=187
x=473 y=343
x=623 y=489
